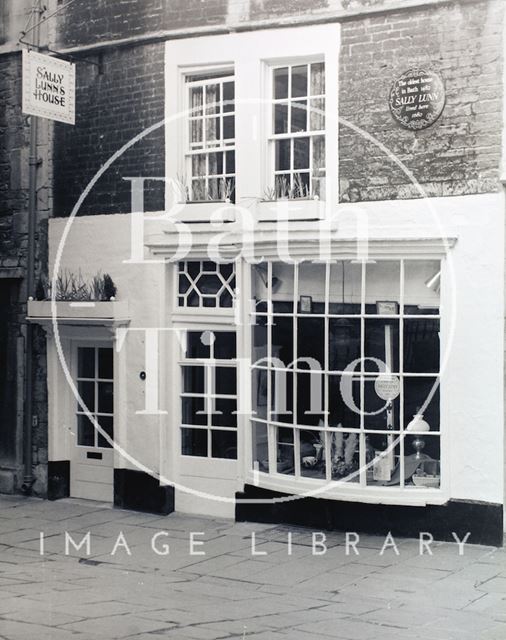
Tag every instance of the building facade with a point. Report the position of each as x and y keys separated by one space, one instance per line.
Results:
x=308 y=297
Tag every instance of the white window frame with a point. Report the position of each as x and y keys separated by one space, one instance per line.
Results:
x=309 y=133
x=210 y=365
x=340 y=489
x=205 y=150
x=251 y=71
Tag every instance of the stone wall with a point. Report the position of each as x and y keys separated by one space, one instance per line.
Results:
x=460 y=154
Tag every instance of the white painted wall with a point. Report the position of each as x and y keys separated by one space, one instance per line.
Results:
x=472 y=387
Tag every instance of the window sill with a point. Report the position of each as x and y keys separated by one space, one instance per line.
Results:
x=206 y=211
x=348 y=492
x=294 y=209
x=79 y=313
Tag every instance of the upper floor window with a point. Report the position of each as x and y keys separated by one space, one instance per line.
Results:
x=210 y=154
x=298 y=130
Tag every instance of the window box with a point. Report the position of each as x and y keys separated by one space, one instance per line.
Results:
x=295 y=209
x=94 y=312
x=205 y=211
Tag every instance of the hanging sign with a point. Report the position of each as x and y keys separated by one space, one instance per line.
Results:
x=48 y=87
x=387 y=387
x=417 y=98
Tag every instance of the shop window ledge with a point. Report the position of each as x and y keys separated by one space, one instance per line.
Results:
x=293 y=209
x=67 y=312
x=205 y=211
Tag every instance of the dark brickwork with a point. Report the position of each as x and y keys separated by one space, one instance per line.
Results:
x=111 y=108
x=460 y=153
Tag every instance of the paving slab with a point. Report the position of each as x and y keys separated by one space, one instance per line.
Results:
x=286 y=594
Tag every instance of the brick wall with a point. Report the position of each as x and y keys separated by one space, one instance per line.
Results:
x=460 y=153
x=111 y=108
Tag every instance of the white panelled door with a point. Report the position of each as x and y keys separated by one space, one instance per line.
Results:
x=92 y=465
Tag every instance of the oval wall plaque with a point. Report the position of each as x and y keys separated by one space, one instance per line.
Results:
x=417 y=98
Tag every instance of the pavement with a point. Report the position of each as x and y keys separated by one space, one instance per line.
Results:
x=131 y=585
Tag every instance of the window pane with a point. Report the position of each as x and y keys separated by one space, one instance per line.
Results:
x=282 y=407
x=196 y=131
x=282 y=155
x=301 y=153
x=106 y=423
x=345 y=287
x=422 y=286
x=87 y=393
x=105 y=397
x=344 y=402
x=312 y=454
x=424 y=471
x=318 y=154
x=194 y=411
x=224 y=413
x=85 y=362
x=310 y=342
x=344 y=456
x=421 y=398
x=310 y=388
x=228 y=96
x=260 y=446
x=184 y=283
x=212 y=98
x=196 y=98
x=317 y=78
x=299 y=116
x=281 y=83
x=299 y=81
x=282 y=287
x=382 y=456
x=198 y=344
x=105 y=364
x=421 y=346
x=344 y=343
x=193 y=379
x=317 y=114
x=259 y=397
x=312 y=284
x=215 y=163
x=225 y=381
x=282 y=340
x=379 y=413
x=259 y=340
x=194 y=442
x=225 y=345
x=212 y=129
x=285 y=457
x=199 y=164
x=382 y=344
x=228 y=127
x=224 y=444
x=382 y=285
x=85 y=432
x=230 y=162
x=199 y=190
x=281 y=118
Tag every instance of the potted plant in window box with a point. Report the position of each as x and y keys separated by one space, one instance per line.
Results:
x=290 y=200
x=78 y=299
x=205 y=200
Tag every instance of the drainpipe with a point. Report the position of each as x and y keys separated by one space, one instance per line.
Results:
x=33 y=163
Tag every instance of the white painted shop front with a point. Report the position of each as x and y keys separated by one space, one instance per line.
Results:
x=468 y=428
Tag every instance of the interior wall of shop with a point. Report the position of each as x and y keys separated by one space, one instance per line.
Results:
x=473 y=378
x=458 y=155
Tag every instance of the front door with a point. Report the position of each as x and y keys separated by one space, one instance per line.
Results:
x=92 y=466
